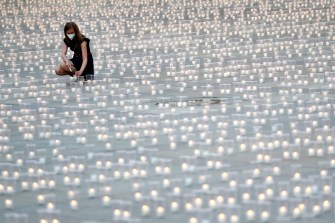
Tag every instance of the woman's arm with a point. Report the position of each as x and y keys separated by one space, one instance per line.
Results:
x=63 y=55
x=84 y=56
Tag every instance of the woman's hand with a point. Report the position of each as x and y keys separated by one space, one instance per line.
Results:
x=78 y=73
x=69 y=63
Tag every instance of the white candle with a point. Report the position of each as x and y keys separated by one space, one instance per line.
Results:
x=50 y=206
x=160 y=211
x=316 y=210
x=234 y=219
x=250 y=215
x=9 y=203
x=221 y=218
x=126 y=215
x=105 y=200
x=265 y=216
x=326 y=205
x=198 y=202
x=74 y=204
x=282 y=211
x=296 y=212
x=188 y=207
x=24 y=186
x=117 y=213
x=91 y=192
x=145 y=210
x=174 y=206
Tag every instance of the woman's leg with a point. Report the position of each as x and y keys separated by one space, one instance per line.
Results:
x=62 y=70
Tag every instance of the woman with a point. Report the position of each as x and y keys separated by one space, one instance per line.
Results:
x=82 y=62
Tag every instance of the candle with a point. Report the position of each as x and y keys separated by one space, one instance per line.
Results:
x=74 y=204
x=176 y=191
x=117 y=213
x=246 y=197
x=221 y=218
x=174 y=206
x=224 y=176
x=265 y=216
x=308 y=191
x=145 y=210
x=326 y=189
x=261 y=197
x=198 y=202
x=126 y=215
x=24 y=186
x=250 y=215
x=50 y=206
x=154 y=194
x=160 y=211
x=105 y=200
x=138 y=196
x=296 y=212
x=234 y=219
x=297 y=190
x=326 y=205
x=231 y=200
x=91 y=192
x=316 y=210
x=9 y=203
x=282 y=211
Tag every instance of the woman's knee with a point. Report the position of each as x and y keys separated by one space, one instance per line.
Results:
x=59 y=71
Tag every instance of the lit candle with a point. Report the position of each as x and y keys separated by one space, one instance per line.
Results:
x=316 y=210
x=105 y=200
x=265 y=216
x=91 y=192
x=50 y=206
x=24 y=186
x=9 y=203
x=126 y=215
x=326 y=205
x=174 y=206
x=261 y=197
x=74 y=204
x=250 y=215
x=282 y=211
x=145 y=210
x=160 y=211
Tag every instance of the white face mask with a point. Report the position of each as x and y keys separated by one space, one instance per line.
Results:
x=71 y=36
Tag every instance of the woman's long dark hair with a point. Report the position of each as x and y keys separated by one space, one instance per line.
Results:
x=78 y=39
